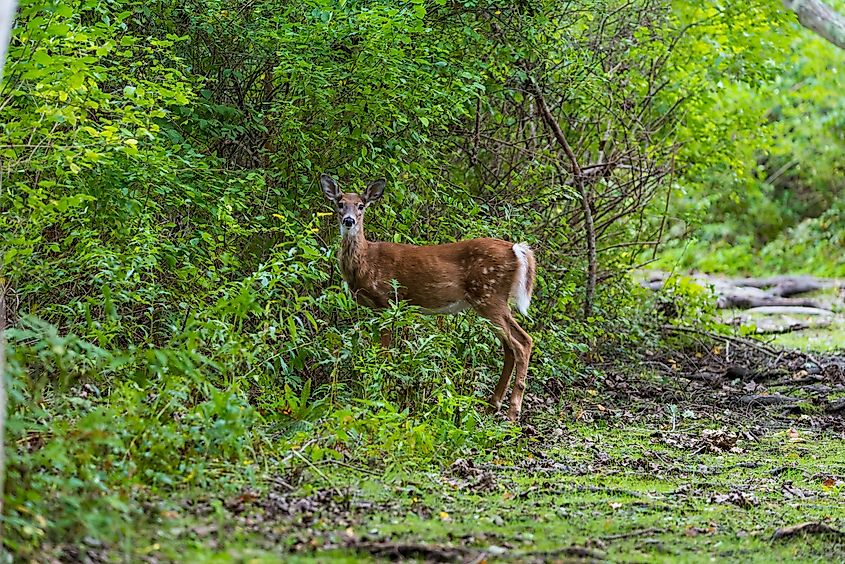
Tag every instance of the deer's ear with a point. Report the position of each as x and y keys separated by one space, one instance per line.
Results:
x=375 y=190
x=329 y=187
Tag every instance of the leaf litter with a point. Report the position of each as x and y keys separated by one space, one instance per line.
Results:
x=633 y=481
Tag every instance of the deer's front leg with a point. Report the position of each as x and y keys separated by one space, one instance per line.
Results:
x=386 y=338
x=377 y=303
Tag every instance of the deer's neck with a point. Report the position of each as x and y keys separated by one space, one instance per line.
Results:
x=353 y=255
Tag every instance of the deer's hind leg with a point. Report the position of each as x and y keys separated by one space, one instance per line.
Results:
x=518 y=334
x=505 y=378
x=517 y=345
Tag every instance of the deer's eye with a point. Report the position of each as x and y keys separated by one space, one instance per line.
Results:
x=361 y=207
x=340 y=205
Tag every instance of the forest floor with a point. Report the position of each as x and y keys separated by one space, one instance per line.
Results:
x=729 y=450
x=733 y=452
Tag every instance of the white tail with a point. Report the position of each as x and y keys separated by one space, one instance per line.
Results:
x=523 y=282
x=483 y=274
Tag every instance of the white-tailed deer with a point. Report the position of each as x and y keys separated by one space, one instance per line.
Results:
x=483 y=274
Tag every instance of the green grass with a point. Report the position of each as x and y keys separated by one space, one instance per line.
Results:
x=591 y=489
x=822 y=339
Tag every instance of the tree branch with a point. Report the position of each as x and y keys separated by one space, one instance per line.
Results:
x=820 y=18
x=578 y=177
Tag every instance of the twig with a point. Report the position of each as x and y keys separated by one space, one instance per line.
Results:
x=797 y=382
x=279 y=482
x=7 y=18
x=586 y=204
x=318 y=471
x=580 y=552
x=2 y=396
x=836 y=406
x=763 y=399
x=747 y=342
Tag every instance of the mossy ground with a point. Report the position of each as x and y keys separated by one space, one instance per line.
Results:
x=822 y=339
x=677 y=457
x=686 y=489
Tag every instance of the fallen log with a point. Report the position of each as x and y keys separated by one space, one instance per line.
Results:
x=809 y=528
x=776 y=320
x=788 y=285
x=427 y=552
x=743 y=300
x=788 y=310
x=745 y=293
x=782 y=329
x=766 y=399
x=797 y=287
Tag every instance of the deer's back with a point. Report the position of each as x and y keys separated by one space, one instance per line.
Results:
x=443 y=278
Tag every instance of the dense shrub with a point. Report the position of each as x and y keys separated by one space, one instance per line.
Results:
x=176 y=315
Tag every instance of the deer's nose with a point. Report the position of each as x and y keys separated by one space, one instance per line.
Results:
x=348 y=221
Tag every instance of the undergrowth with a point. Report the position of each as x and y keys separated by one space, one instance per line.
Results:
x=176 y=319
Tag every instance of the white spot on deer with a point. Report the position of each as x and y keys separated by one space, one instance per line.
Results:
x=484 y=270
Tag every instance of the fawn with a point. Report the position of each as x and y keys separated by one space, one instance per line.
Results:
x=482 y=274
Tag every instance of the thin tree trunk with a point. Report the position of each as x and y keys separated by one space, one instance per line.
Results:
x=7 y=16
x=586 y=204
x=820 y=18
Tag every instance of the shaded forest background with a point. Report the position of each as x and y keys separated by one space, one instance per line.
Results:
x=175 y=315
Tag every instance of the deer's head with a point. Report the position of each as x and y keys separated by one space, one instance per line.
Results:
x=350 y=207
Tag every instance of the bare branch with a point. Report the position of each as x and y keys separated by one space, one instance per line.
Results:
x=586 y=205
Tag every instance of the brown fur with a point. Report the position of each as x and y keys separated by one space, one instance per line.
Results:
x=480 y=273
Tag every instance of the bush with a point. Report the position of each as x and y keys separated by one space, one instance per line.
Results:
x=169 y=265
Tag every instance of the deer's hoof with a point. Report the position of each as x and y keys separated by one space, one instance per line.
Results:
x=494 y=405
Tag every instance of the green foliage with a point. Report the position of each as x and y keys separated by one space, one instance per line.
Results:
x=687 y=308
x=177 y=317
x=760 y=183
